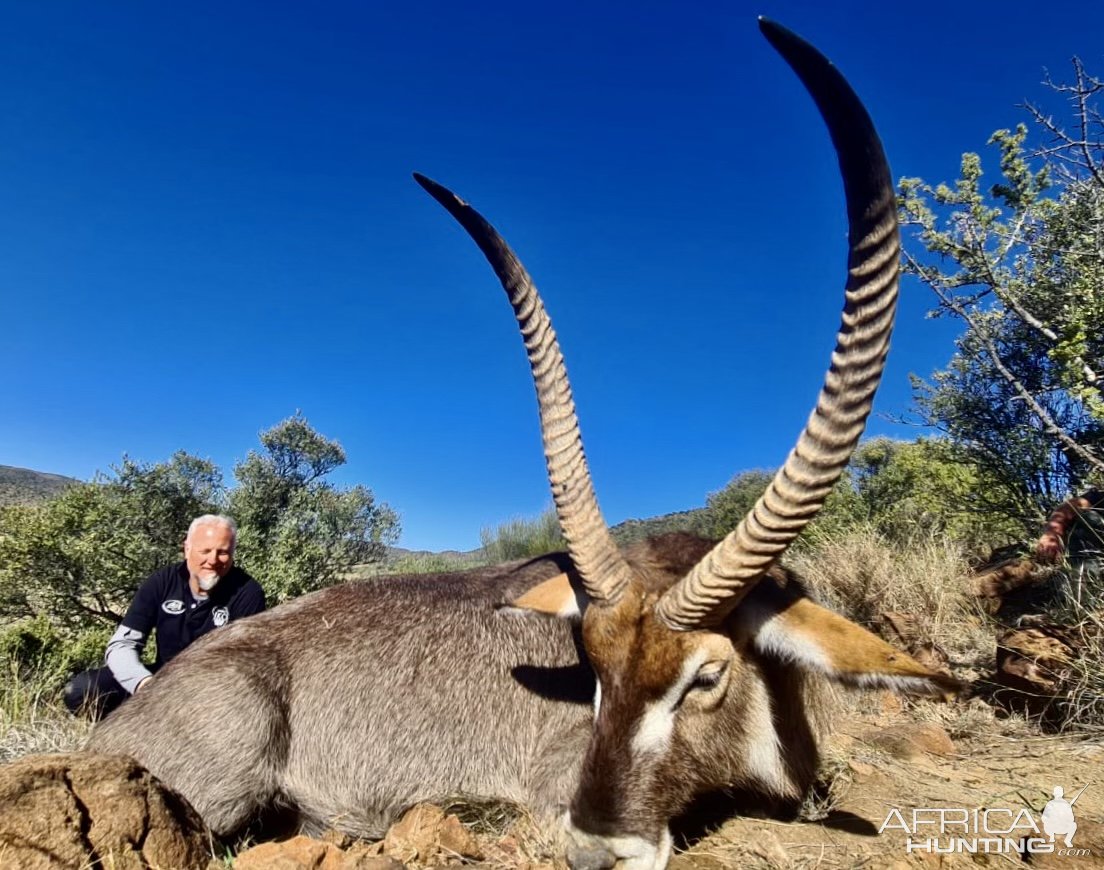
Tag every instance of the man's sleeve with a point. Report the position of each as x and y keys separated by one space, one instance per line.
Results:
x=142 y=614
x=123 y=657
x=250 y=600
x=124 y=650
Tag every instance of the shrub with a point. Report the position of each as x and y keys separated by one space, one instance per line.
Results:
x=521 y=538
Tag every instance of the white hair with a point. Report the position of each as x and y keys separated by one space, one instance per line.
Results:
x=215 y=520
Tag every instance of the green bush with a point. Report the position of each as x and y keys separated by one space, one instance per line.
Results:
x=521 y=538
x=35 y=651
x=431 y=563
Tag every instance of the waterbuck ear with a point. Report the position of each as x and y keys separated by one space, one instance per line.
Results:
x=796 y=630
x=562 y=596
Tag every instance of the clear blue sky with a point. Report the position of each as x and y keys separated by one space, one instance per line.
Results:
x=209 y=222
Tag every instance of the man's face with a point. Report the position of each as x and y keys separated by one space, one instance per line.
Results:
x=209 y=552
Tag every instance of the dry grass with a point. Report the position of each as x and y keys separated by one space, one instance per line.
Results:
x=32 y=720
x=483 y=816
x=863 y=576
x=1081 y=706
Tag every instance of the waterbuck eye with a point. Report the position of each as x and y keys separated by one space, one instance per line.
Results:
x=709 y=677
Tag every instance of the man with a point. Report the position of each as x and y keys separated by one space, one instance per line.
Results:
x=1076 y=529
x=181 y=602
x=1079 y=519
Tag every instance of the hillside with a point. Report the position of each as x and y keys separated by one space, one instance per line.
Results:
x=696 y=520
x=23 y=486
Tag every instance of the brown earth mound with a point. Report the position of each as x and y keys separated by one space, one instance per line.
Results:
x=80 y=810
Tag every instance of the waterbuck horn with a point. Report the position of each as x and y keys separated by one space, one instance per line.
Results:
x=719 y=582
x=603 y=571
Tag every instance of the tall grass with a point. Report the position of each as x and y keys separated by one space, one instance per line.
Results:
x=1079 y=603
x=430 y=563
x=522 y=538
x=32 y=718
x=862 y=575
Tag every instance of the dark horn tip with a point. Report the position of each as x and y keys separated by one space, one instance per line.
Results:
x=787 y=43
x=768 y=26
x=439 y=192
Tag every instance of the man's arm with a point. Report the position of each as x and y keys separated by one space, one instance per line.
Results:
x=1052 y=543
x=124 y=650
x=124 y=658
x=250 y=600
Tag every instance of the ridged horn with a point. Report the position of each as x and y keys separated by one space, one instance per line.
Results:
x=719 y=582
x=603 y=570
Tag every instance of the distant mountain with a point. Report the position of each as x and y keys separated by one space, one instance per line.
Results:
x=23 y=486
x=401 y=560
x=696 y=520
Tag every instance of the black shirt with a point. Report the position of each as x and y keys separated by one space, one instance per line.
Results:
x=165 y=602
x=1087 y=535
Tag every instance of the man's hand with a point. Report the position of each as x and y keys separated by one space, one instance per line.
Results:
x=138 y=688
x=1049 y=548
x=1051 y=545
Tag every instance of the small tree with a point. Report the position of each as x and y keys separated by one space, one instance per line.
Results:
x=730 y=504
x=1021 y=265
x=296 y=531
x=925 y=487
x=726 y=507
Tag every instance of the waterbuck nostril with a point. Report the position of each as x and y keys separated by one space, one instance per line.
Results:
x=590 y=858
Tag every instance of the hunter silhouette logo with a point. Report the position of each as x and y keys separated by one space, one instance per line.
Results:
x=1058 y=816
x=990 y=830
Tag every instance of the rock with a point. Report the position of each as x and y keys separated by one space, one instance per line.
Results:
x=425 y=832
x=338 y=838
x=1088 y=848
x=768 y=847
x=364 y=858
x=298 y=853
x=305 y=853
x=1033 y=666
x=414 y=836
x=454 y=838
x=997 y=579
x=907 y=631
x=80 y=809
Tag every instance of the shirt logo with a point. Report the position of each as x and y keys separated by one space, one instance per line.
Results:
x=220 y=616
x=173 y=606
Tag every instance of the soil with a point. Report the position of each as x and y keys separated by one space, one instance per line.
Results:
x=889 y=760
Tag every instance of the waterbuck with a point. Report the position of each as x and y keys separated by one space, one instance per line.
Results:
x=601 y=687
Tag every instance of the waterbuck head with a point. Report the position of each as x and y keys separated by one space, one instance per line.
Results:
x=699 y=648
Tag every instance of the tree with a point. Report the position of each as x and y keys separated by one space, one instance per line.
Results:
x=730 y=504
x=924 y=487
x=901 y=489
x=296 y=531
x=78 y=558
x=1021 y=264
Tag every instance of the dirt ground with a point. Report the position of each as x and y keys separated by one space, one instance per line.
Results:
x=892 y=759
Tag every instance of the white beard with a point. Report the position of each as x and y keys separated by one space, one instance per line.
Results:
x=207 y=583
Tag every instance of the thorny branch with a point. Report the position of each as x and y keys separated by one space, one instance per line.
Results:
x=1050 y=426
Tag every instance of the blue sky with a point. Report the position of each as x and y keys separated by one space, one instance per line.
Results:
x=210 y=223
